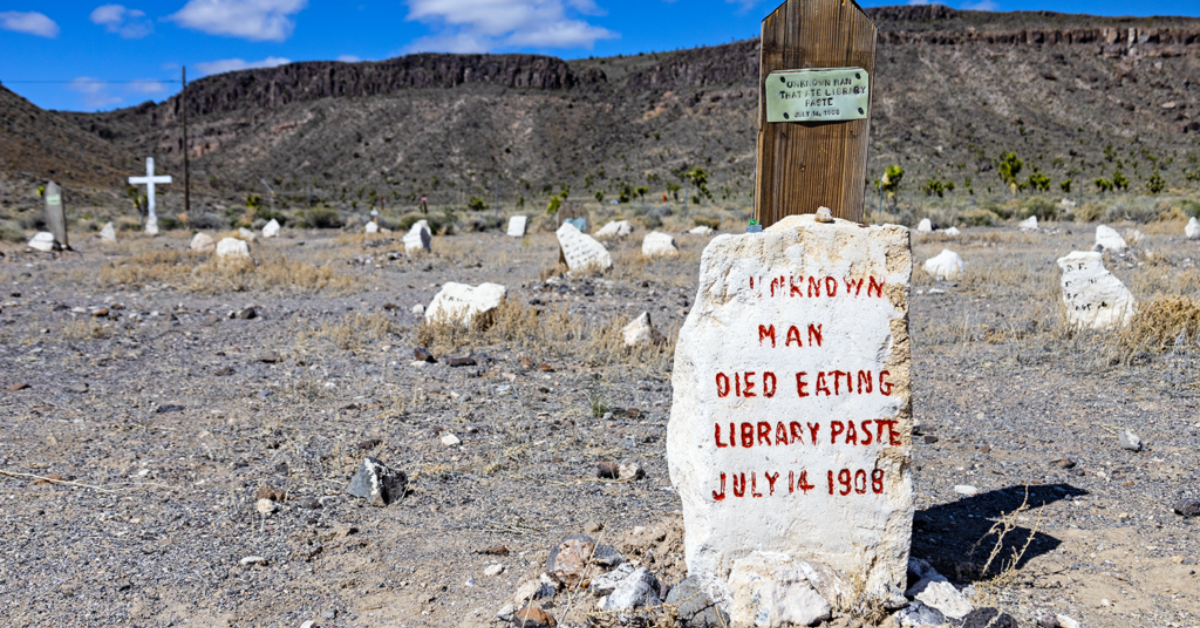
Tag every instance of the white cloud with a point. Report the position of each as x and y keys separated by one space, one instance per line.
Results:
x=232 y=65
x=31 y=22
x=349 y=58
x=95 y=92
x=148 y=86
x=982 y=5
x=256 y=20
x=482 y=25
x=115 y=18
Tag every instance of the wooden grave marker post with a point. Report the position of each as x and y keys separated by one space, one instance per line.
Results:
x=56 y=215
x=813 y=126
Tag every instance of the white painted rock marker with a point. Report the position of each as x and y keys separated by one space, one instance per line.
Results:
x=516 y=226
x=371 y=228
x=658 y=244
x=233 y=247
x=271 y=229
x=246 y=234
x=581 y=250
x=615 y=228
x=1029 y=224
x=43 y=241
x=1109 y=239
x=790 y=426
x=418 y=238
x=109 y=233
x=925 y=226
x=944 y=266
x=702 y=230
x=203 y=243
x=460 y=304
x=1094 y=297
x=1192 y=230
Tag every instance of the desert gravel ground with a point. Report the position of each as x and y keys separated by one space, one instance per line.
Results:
x=162 y=418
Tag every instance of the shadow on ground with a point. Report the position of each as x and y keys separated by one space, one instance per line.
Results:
x=958 y=538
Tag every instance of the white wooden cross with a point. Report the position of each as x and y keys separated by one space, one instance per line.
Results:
x=149 y=180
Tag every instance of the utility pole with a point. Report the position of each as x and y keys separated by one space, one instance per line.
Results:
x=187 y=178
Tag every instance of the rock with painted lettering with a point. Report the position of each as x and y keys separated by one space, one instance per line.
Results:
x=614 y=229
x=460 y=304
x=152 y=225
x=271 y=229
x=203 y=243
x=1107 y=239
x=1029 y=224
x=769 y=447
x=582 y=251
x=246 y=234
x=768 y=589
x=418 y=238
x=516 y=226
x=43 y=241
x=109 y=233
x=658 y=244
x=945 y=266
x=925 y=226
x=641 y=332
x=371 y=227
x=233 y=248
x=1095 y=298
x=1192 y=230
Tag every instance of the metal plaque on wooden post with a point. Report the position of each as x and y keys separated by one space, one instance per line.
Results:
x=817 y=71
x=56 y=215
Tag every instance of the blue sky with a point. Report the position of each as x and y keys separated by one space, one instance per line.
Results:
x=91 y=56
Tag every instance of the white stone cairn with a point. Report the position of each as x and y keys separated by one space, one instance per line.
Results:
x=614 y=228
x=925 y=226
x=658 y=244
x=1095 y=298
x=581 y=250
x=203 y=243
x=371 y=227
x=945 y=266
x=43 y=241
x=230 y=248
x=1029 y=224
x=108 y=233
x=1192 y=230
x=271 y=229
x=791 y=418
x=418 y=238
x=516 y=226
x=150 y=180
x=461 y=304
x=1108 y=239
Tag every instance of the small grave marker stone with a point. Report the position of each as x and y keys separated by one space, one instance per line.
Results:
x=56 y=216
x=580 y=250
x=516 y=226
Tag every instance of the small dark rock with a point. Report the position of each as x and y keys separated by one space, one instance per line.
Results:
x=930 y=439
x=533 y=617
x=422 y=354
x=310 y=503
x=463 y=361
x=985 y=450
x=269 y=358
x=495 y=550
x=268 y=492
x=988 y=618
x=370 y=443
x=1048 y=621
x=390 y=306
x=16 y=387
x=247 y=313
x=378 y=484
x=1078 y=472
x=1188 y=508
x=1063 y=463
x=607 y=556
x=282 y=469
x=168 y=408
x=535 y=302
x=225 y=371
x=608 y=471
x=696 y=609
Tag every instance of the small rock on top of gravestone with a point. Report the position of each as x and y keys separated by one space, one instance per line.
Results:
x=791 y=429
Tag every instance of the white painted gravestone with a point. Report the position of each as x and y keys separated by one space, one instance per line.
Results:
x=1094 y=297
x=790 y=428
x=233 y=248
x=516 y=226
x=417 y=238
x=658 y=244
x=1108 y=239
x=460 y=304
x=372 y=227
x=581 y=250
x=43 y=241
x=615 y=228
x=1029 y=224
x=271 y=229
x=946 y=265
x=703 y=230
x=150 y=181
x=1192 y=229
x=56 y=216
x=203 y=243
x=925 y=226
x=108 y=233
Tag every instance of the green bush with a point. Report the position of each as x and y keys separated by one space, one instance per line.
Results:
x=1192 y=208
x=978 y=218
x=1038 y=206
x=169 y=223
x=320 y=218
x=999 y=210
x=703 y=221
x=438 y=224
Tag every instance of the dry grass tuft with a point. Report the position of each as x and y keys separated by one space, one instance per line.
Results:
x=163 y=266
x=357 y=330
x=85 y=329
x=273 y=272
x=1160 y=325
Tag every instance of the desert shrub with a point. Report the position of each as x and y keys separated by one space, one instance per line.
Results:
x=357 y=331
x=1191 y=208
x=1089 y=212
x=11 y=231
x=1039 y=206
x=476 y=224
x=1160 y=325
x=702 y=221
x=978 y=218
x=439 y=224
x=169 y=223
x=209 y=222
x=320 y=218
x=33 y=221
x=998 y=209
x=650 y=221
x=1140 y=210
